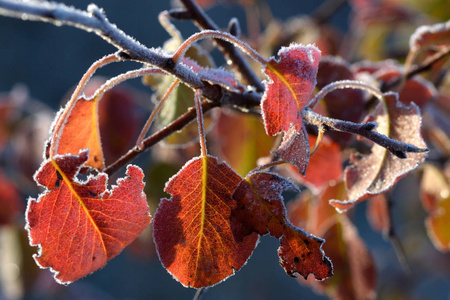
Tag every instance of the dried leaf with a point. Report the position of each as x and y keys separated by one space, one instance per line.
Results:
x=295 y=149
x=377 y=172
x=79 y=226
x=427 y=35
x=192 y=230
x=260 y=209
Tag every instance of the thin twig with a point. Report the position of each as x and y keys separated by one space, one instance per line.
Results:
x=202 y=20
x=222 y=36
x=200 y=292
x=423 y=67
x=139 y=142
x=326 y=10
x=176 y=125
x=397 y=148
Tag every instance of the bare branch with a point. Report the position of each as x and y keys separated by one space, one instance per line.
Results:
x=397 y=148
x=94 y=20
x=204 y=22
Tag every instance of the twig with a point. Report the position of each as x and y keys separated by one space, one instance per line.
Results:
x=178 y=124
x=397 y=148
x=94 y=20
x=394 y=239
x=202 y=20
x=200 y=292
x=425 y=66
x=326 y=10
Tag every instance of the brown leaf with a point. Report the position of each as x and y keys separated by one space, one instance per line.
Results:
x=378 y=171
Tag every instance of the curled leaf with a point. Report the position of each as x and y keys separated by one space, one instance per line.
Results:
x=377 y=172
x=260 y=208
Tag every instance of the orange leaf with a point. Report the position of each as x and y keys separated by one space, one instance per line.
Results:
x=293 y=78
x=324 y=165
x=260 y=209
x=192 y=230
x=435 y=194
x=241 y=148
x=301 y=252
x=76 y=128
x=79 y=226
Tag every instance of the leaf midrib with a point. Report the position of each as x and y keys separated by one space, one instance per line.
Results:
x=80 y=201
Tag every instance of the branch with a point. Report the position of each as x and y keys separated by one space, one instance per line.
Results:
x=202 y=21
x=94 y=20
x=423 y=67
x=176 y=125
x=397 y=148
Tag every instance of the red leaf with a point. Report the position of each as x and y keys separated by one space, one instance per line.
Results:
x=76 y=128
x=260 y=206
x=323 y=166
x=192 y=230
x=416 y=89
x=295 y=149
x=10 y=201
x=377 y=172
x=260 y=209
x=79 y=226
x=345 y=104
x=428 y=35
x=292 y=80
x=378 y=214
x=301 y=253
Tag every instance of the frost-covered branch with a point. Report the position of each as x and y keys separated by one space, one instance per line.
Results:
x=397 y=148
x=201 y=19
x=94 y=20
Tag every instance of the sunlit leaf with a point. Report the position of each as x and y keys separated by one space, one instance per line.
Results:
x=79 y=226
x=192 y=229
x=292 y=80
x=76 y=127
x=427 y=35
x=241 y=140
x=325 y=165
x=260 y=209
x=435 y=195
x=377 y=172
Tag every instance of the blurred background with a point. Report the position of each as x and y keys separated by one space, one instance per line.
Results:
x=41 y=63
